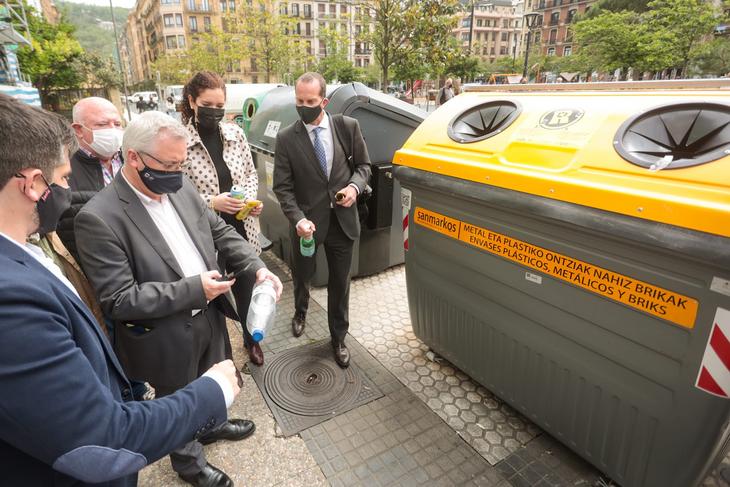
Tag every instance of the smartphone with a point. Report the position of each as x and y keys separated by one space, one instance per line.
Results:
x=226 y=277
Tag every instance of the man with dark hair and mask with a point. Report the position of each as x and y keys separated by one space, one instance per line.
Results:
x=98 y=128
x=148 y=244
x=67 y=415
x=320 y=167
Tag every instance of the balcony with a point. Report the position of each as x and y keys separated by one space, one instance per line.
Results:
x=363 y=52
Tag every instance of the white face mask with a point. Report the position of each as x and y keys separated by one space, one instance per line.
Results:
x=106 y=142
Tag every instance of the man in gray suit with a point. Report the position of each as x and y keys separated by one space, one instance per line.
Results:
x=148 y=245
x=317 y=185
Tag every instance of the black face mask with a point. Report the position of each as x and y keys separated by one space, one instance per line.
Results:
x=210 y=117
x=309 y=114
x=161 y=182
x=52 y=207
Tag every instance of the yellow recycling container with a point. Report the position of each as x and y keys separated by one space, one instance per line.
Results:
x=570 y=250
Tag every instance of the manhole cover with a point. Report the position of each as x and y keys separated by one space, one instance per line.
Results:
x=310 y=384
x=304 y=386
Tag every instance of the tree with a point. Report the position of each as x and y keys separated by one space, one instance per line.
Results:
x=466 y=67
x=335 y=64
x=613 y=40
x=53 y=61
x=681 y=25
x=714 y=58
x=269 y=38
x=404 y=27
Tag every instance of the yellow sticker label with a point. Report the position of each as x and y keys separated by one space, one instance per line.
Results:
x=640 y=295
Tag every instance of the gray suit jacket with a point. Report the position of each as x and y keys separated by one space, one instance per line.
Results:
x=138 y=279
x=302 y=187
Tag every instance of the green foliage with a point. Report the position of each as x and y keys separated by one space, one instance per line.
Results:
x=92 y=37
x=267 y=38
x=713 y=58
x=335 y=65
x=466 y=67
x=409 y=33
x=647 y=36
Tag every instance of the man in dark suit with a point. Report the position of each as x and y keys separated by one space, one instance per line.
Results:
x=148 y=245
x=66 y=413
x=98 y=128
x=317 y=188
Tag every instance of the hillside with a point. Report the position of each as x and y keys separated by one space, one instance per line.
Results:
x=91 y=31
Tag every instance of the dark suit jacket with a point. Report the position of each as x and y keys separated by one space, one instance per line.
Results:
x=139 y=281
x=86 y=180
x=302 y=187
x=65 y=413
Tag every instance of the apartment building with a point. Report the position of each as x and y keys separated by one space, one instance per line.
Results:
x=553 y=34
x=497 y=29
x=156 y=27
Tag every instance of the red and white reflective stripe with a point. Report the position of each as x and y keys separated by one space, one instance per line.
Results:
x=714 y=374
x=405 y=228
x=405 y=200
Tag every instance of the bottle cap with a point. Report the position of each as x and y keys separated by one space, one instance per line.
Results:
x=257 y=335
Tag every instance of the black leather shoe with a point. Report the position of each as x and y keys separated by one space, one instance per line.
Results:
x=210 y=476
x=342 y=355
x=298 y=323
x=255 y=354
x=233 y=430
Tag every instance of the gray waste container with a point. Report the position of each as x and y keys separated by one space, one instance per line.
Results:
x=386 y=123
x=571 y=252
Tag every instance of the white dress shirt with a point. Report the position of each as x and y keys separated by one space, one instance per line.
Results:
x=174 y=233
x=326 y=137
x=38 y=254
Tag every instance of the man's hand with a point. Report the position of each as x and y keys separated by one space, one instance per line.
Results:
x=350 y=196
x=212 y=287
x=225 y=204
x=305 y=228
x=263 y=274
x=227 y=370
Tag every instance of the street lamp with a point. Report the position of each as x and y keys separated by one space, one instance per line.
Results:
x=531 y=23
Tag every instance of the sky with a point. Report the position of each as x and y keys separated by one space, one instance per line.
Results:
x=116 y=3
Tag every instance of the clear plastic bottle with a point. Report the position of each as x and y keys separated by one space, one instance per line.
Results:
x=262 y=310
x=306 y=246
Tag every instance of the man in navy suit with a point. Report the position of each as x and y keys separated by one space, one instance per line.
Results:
x=66 y=410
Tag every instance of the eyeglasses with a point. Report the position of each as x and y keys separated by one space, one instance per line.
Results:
x=169 y=166
x=45 y=193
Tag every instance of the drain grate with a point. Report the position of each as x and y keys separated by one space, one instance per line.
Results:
x=304 y=386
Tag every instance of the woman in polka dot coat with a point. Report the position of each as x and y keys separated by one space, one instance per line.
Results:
x=219 y=158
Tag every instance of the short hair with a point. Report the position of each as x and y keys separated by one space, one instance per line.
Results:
x=31 y=138
x=203 y=80
x=142 y=132
x=79 y=109
x=66 y=134
x=312 y=76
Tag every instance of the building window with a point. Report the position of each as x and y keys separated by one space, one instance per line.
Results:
x=503 y=50
x=491 y=51
x=169 y=20
x=320 y=9
x=567 y=51
x=505 y=23
x=224 y=5
x=171 y=42
x=551 y=51
x=538 y=36
x=464 y=36
x=308 y=29
x=343 y=9
x=206 y=24
x=206 y=6
x=178 y=20
x=191 y=5
x=479 y=22
x=554 y=18
x=283 y=9
x=553 y=36
x=232 y=5
x=571 y=14
x=505 y=36
x=333 y=11
x=295 y=10
x=181 y=41
x=365 y=63
x=308 y=11
x=193 y=24
x=466 y=22
x=494 y=36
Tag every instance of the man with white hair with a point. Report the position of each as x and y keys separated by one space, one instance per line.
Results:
x=98 y=128
x=148 y=244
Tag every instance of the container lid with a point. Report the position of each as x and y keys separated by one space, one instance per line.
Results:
x=659 y=155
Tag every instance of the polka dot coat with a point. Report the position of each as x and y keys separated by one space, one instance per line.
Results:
x=199 y=167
